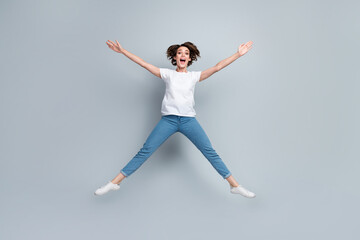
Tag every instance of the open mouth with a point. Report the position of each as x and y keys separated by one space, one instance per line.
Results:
x=182 y=60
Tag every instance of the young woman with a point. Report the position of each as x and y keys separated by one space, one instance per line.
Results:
x=177 y=110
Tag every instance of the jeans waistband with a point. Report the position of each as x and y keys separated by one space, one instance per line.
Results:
x=172 y=116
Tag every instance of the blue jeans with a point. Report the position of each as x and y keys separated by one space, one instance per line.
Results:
x=167 y=126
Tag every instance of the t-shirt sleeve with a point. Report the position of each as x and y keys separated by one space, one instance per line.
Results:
x=165 y=74
x=197 y=75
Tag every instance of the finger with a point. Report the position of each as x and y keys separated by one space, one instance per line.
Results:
x=112 y=42
x=118 y=44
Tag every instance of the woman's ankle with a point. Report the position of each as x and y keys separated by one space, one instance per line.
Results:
x=115 y=181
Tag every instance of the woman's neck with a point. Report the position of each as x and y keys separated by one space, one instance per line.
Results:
x=181 y=69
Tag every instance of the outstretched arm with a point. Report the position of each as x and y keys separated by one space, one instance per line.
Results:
x=243 y=48
x=118 y=48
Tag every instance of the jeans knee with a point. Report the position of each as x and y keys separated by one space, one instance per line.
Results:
x=209 y=151
x=146 y=150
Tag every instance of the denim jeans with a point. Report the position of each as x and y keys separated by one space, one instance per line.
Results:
x=167 y=126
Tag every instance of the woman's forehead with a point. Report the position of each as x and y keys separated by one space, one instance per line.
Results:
x=183 y=48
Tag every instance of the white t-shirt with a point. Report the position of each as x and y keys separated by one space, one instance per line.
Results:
x=179 y=93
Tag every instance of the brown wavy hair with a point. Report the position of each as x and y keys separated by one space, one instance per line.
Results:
x=172 y=50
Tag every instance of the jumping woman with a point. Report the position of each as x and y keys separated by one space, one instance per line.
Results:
x=177 y=110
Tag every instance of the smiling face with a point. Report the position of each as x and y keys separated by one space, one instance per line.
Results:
x=182 y=57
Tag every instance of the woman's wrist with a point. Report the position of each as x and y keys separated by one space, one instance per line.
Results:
x=121 y=51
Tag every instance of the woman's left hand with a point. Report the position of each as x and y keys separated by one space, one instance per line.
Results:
x=245 y=47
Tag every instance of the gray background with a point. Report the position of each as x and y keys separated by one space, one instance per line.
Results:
x=284 y=118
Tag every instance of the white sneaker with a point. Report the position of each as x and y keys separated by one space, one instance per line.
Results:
x=241 y=190
x=106 y=188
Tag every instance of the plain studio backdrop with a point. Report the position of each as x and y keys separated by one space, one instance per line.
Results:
x=284 y=118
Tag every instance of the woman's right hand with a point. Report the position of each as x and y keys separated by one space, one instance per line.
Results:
x=115 y=46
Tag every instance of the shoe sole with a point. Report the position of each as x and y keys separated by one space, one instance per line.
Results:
x=106 y=192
